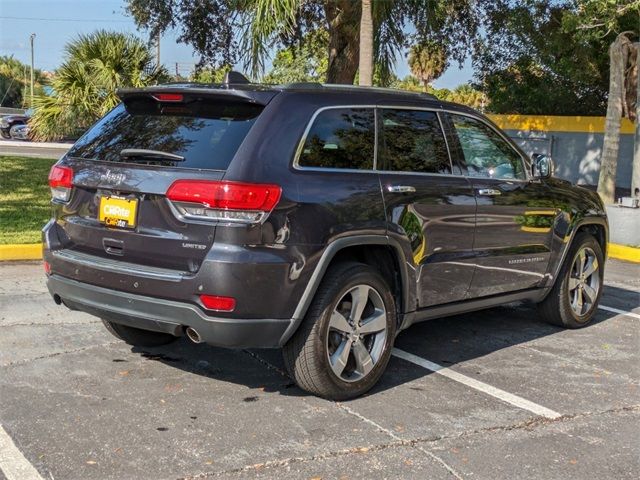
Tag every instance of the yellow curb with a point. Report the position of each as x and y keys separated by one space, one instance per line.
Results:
x=34 y=252
x=622 y=252
x=21 y=252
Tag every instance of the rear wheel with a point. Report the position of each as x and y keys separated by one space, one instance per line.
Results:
x=574 y=298
x=344 y=343
x=137 y=336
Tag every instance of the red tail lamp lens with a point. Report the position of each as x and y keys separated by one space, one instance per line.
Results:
x=168 y=97
x=47 y=268
x=226 y=195
x=221 y=304
x=60 y=177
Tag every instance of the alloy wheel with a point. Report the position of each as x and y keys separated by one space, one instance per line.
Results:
x=357 y=333
x=584 y=282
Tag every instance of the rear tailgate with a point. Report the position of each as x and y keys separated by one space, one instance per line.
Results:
x=118 y=208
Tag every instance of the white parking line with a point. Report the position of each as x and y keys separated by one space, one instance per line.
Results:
x=476 y=384
x=12 y=462
x=616 y=310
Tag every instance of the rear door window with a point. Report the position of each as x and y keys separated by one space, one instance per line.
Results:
x=340 y=138
x=412 y=141
x=207 y=133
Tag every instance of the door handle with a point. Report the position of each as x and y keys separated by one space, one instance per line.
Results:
x=489 y=192
x=401 y=189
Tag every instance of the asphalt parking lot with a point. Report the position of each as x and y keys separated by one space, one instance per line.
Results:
x=513 y=398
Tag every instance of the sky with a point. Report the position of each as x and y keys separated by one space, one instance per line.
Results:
x=56 y=22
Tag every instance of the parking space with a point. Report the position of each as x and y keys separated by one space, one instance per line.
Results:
x=77 y=404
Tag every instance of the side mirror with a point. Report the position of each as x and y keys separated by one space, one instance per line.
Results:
x=541 y=166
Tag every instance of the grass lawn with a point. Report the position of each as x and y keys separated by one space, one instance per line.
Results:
x=24 y=198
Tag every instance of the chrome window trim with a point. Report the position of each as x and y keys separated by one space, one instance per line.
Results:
x=296 y=159
x=501 y=135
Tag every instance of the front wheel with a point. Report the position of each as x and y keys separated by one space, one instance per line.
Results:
x=344 y=343
x=574 y=298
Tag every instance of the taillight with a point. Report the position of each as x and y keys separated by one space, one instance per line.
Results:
x=168 y=97
x=221 y=304
x=61 y=182
x=47 y=268
x=223 y=201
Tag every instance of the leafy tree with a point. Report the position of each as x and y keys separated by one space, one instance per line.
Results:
x=269 y=24
x=303 y=62
x=15 y=80
x=427 y=61
x=84 y=87
x=602 y=20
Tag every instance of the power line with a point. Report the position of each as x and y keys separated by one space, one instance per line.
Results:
x=65 y=19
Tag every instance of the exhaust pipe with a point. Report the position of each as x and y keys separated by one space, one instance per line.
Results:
x=193 y=335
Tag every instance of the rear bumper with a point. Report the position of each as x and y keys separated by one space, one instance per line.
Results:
x=167 y=316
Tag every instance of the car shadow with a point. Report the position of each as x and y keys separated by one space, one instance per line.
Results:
x=445 y=341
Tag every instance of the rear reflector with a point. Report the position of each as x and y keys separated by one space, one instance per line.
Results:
x=61 y=182
x=223 y=201
x=221 y=304
x=168 y=97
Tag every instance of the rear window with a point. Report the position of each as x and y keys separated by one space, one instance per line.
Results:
x=206 y=133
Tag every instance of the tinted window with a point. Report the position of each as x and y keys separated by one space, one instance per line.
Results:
x=486 y=153
x=412 y=141
x=206 y=133
x=340 y=138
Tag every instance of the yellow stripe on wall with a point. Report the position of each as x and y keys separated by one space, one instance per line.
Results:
x=547 y=123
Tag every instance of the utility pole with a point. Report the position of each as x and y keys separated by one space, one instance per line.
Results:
x=31 y=37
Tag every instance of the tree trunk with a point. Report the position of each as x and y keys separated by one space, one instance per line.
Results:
x=635 y=166
x=343 y=23
x=366 y=45
x=609 y=161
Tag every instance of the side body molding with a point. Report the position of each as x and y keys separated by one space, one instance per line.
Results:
x=407 y=276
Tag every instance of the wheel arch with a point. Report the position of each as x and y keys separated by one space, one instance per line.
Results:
x=596 y=226
x=368 y=249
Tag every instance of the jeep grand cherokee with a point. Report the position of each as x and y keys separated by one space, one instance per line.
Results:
x=319 y=219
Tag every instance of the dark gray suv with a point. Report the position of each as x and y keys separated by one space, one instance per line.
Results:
x=321 y=219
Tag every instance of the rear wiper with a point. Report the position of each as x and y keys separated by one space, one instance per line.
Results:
x=142 y=153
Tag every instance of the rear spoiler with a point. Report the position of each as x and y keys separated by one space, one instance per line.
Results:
x=258 y=96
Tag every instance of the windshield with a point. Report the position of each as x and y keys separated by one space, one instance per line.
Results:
x=206 y=133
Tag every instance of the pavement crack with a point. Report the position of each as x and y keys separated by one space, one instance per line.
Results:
x=529 y=424
x=409 y=443
x=293 y=460
x=56 y=354
x=49 y=324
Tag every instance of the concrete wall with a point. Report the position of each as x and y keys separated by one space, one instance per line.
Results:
x=574 y=143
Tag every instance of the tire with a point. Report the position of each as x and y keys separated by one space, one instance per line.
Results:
x=138 y=337
x=560 y=307
x=312 y=355
x=5 y=135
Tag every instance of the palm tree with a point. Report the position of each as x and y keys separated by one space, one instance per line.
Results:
x=84 y=87
x=427 y=61
x=365 y=69
x=619 y=53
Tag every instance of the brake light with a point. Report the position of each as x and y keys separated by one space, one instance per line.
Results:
x=61 y=182
x=224 y=201
x=221 y=304
x=47 y=267
x=168 y=97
